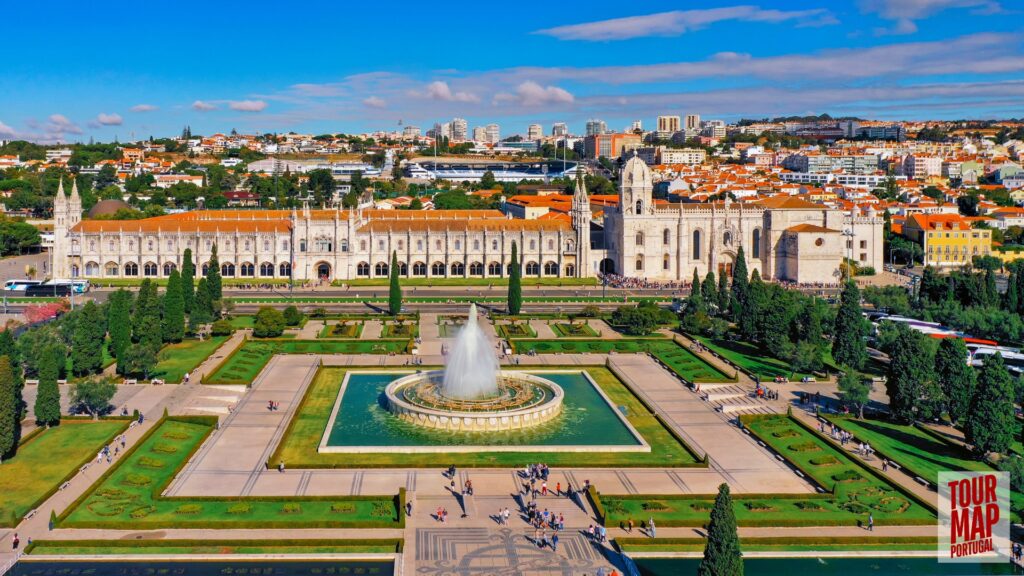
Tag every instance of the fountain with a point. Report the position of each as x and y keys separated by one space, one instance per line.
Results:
x=472 y=393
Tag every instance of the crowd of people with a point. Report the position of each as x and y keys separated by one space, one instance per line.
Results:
x=630 y=283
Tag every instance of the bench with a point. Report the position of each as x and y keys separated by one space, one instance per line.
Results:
x=30 y=514
x=131 y=381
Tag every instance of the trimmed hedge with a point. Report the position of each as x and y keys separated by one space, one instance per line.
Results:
x=397 y=543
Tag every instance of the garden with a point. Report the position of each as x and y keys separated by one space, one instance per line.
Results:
x=128 y=495
x=752 y=359
x=573 y=330
x=47 y=458
x=515 y=330
x=212 y=547
x=174 y=360
x=400 y=330
x=341 y=329
x=246 y=362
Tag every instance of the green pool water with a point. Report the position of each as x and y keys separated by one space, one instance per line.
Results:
x=586 y=420
x=830 y=567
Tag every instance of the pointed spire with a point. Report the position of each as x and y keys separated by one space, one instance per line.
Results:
x=60 y=198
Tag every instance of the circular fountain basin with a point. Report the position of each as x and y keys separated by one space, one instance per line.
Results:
x=522 y=401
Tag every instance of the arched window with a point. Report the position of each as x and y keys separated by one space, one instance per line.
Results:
x=639 y=262
x=246 y=245
x=639 y=238
x=458 y=269
x=168 y=268
x=665 y=263
x=458 y=245
x=666 y=237
x=476 y=244
x=131 y=269
x=551 y=268
x=380 y=244
x=92 y=246
x=437 y=245
x=170 y=245
x=570 y=246
x=696 y=245
x=248 y=269
x=92 y=269
x=533 y=244
x=551 y=244
x=494 y=269
x=403 y=269
x=476 y=269
x=363 y=269
x=419 y=269
x=206 y=268
x=266 y=269
x=437 y=269
x=150 y=269
x=380 y=269
x=727 y=238
x=362 y=245
x=570 y=270
x=419 y=244
x=639 y=206
x=266 y=245
x=285 y=269
x=755 y=245
x=532 y=268
x=110 y=245
x=227 y=269
x=344 y=245
x=111 y=269
x=302 y=245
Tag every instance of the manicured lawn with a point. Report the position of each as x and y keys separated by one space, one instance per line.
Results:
x=751 y=358
x=299 y=445
x=567 y=299
x=128 y=496
x=176 y=359
x=346 y=329
x=228 y=282
x=47 y=459
x=212 y=547
x=240 y=322
x=573 y=330
x=784 y=544
x=679 y=359
x=469 y=282
x=404 y=330
x=247 y=361
x=518 y=330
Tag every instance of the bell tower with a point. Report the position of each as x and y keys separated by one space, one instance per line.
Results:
x=581 y=215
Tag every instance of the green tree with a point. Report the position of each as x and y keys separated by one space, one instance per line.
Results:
x=10 y=428
x=708 y=290
x=695 y=303
x=119 y=322
x=292 y=316
x=173 y=310
x=93 y=395
x=487 y=181
x=394 y=289
x=855 y=390
x=955 y=377
x=188 y=280
x=990 y=425
x=146 y=316
x=87 y=340
x=214 y=283
x=269 y=323
x=723 y=294
x=757 y=300
x=202 y=310
x=139 y=360
x=848 y=344
x=515 y=287
x=910 y=370
x=722 y=555
x=47 y=407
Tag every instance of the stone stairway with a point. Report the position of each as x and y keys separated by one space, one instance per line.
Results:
x=734 y=399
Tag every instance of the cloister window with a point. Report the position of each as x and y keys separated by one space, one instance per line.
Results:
x=248 y=269
x=458 y=269
x=696 y=244
x=266 y=269
x=131 y=269
x=381 y=269
x=363 y=269
x=639 y=238
x=419 y=269
x=532 y=268
x=150 y=269
x=437 y=269
x=227 y=269
x=666 y=237
x=550 y=268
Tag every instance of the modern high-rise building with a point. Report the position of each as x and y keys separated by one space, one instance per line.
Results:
x=692 y=122
x=460 y=129
x=493 y=133
x=559 y=129
x=534 y=132
x=637 y=125
x=596 y=127
x=667 y=126
x=479 y=134
x=411 y=131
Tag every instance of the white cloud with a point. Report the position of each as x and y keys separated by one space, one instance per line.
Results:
x=530 y=93
x=6 y=130
x=60 y=124
x=679 y=22
x=439 y=90
x=374 y=102
x=905 y=12
x=109 y=119
x=202 y=106
x=144 y=108
x=247 y=105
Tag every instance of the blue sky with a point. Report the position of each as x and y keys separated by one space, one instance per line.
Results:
x=103 y=69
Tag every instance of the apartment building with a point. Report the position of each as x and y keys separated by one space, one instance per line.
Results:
x=610 y=145
x=920 y=167
x=667 y=126
x=535 y=132
x=947 y=239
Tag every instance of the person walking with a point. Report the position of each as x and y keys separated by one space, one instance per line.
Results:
x=15 y=542
x=629 y=526
x=651 y=529
x=554 y=543
x=871 y=522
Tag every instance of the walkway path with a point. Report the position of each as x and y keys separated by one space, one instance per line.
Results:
x=225 y=350
x=311 y=330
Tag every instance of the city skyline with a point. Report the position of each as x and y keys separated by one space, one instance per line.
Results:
x=878 y=59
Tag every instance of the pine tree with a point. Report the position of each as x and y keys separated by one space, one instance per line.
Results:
x=10 y=428
x=708 y=289
x=856 y=391
x=990 y=425
x=188 y=280
x=723 y=294
x=955 y=377
x=740 y=284
x=722 y=555
x=147 y=316
x=47 y=407
x=214 y=284
x=515 y=287
x=910 y=370
x=9 y=348
x=87 y=340
x=696 y=301
x=119 y=322
x=174 y=310
x=394 y=289
x=848 y=345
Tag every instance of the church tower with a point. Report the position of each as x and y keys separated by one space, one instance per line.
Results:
x=581 y=215
x=59 y=267
x=636 y=188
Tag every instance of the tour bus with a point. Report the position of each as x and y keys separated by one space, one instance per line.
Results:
x=972 y=343
x=49 y=290
x=20 y=285
x=1012 y=357
x=80 y=286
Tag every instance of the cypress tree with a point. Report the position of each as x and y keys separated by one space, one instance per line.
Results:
x=757 y=299
x=848 y=345
x=991 y=293
x=188 y=280
x=740 y=284
x=10 y=428
x=147 y=316
x=394 y=289
x=174 y=310
x=955 y=377
x=1020 y=290
x=202 y=310
x=87 y=340
x=723 y=294
x=722 y=555
x=696 y=302
x=515 y=287
x=9 y=348
x=213 y=280
x=47 y=407
x=910 y=370
x=119 y=322
x=990 y=425
x=708 y=289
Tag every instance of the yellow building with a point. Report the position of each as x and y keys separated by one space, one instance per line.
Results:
x=947 y=239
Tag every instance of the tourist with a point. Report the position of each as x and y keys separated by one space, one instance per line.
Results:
x=554 y=543
x=438 y=514
x=507 y=515
x=280 y=466
x=652 y=530
x=408 y=508
x=885 y=465
x=871 y=522
x=558 y=489
x=561 y=522
x=544 y=488
x=629 y=526
x=15 y=542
